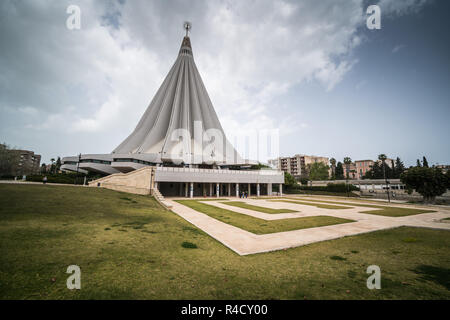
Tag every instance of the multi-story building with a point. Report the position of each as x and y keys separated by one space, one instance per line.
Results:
x=297 y=165
x=349 y=170
x=361 y=167
x=24 y=162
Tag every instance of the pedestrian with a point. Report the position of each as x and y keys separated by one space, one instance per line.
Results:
x=44 y=181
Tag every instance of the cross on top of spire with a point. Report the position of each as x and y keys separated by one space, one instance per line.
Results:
x=187 y=26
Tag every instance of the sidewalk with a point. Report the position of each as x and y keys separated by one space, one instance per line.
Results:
x=244 y=242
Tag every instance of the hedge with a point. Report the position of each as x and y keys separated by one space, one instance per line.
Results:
x=330 y=187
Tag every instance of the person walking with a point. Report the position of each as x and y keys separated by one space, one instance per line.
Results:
x=44 y=180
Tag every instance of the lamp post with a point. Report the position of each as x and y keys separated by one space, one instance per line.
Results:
x=78 y=167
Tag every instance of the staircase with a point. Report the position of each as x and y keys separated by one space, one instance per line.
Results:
x=160 y=198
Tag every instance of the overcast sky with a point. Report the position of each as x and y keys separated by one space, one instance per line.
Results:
x=311 y=69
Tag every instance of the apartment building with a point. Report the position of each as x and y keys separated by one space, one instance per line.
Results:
x=21 y=162
x=297 y=164
x=361 y=167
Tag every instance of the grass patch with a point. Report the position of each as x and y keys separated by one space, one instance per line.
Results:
x=44 y=229
x=383 y=210
x=261 y=226
x=256 y=208
x=318 y=205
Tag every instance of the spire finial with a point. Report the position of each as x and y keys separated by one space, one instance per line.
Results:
x=187 y=26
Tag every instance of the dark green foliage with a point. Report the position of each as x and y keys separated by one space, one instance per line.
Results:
x=65 y=177
x=429 y=182
x=339 y=171
x=338 y=258
x=331 y=187
x=189 y=245
x=289 y=181
x=8 y=160
x=318 y=171
x=304 y=181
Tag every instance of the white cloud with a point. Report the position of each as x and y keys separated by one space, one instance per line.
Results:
x=101 y=78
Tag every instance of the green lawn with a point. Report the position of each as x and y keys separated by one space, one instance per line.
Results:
x=261 y=226
x=318 y=205
x=128 y=247
x=244 y=205
x=383 y=210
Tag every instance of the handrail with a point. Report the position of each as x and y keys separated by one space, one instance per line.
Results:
x=227 y=171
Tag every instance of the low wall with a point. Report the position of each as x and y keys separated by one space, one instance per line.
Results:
x=137 y=182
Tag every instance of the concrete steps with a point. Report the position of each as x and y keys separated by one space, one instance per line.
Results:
x=160 y=198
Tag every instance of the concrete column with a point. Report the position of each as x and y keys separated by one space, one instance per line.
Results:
x=186 y=190
x=191 y=190
x=237 y=190
x=210 y=190
x=281 y=189
x=269 y=189
x=257 y=190
x=217 y=190
x=229 y=189
x=156 y=185
x=249 y=189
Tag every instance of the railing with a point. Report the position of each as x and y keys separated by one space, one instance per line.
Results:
x=198 y=170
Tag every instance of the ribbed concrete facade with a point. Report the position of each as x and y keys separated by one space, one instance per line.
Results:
x=180 y=137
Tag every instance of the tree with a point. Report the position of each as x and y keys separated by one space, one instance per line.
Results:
x=429 y=182
x=418 y=163
x=43 y=168
x=425 y=162
x=52 y=168
x=382 y=157
x=9 y=159
x=339 y=171
x=58 y=164
x=448 y=179
x=399 y=168
x=318 y=171
x=289 y=181
x=347 y=162
x=333 y=168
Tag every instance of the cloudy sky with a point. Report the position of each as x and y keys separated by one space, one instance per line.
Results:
x=309 y=68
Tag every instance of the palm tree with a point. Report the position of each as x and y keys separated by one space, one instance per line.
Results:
x=382 y=157
x=333 y=167
x=53 y=164
x=347 y=162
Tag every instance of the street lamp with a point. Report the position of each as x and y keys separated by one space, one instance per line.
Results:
x=78 y=168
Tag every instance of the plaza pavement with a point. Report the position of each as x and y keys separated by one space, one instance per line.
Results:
x=244 y=242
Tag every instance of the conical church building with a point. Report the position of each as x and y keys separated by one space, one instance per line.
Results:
x=180 y=138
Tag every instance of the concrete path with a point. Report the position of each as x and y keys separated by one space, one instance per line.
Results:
x=244 y=242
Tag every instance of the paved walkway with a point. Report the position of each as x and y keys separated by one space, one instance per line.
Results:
x=244 y=242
